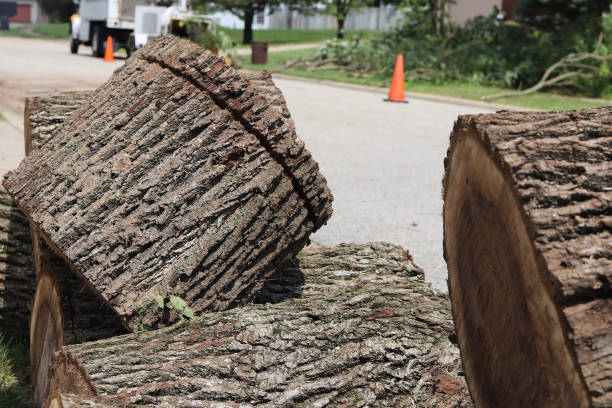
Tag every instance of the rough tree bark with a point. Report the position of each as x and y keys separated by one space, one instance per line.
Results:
x=355 y=325
x=44 y=114
x=17 y=277
x=527 y=217
x=177 y=177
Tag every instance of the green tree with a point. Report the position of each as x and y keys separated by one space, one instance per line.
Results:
x=58 y=10
x=557 y=14
x=340 y=9
x=246 y=11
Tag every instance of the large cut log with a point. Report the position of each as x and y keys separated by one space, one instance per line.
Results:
x=527 y=218
x=17 y=278
x=176 y=177
x=353 y=326
x=66 y=310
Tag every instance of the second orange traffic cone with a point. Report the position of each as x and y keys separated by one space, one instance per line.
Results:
x=109 y=54
x=396 y=92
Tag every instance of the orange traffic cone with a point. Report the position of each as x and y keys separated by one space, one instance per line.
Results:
x=109 y=54
x=396 y=92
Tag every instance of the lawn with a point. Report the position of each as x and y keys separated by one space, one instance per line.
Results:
x=289 y=36
x=51 y=30
x=14 y=374
x=540 y=100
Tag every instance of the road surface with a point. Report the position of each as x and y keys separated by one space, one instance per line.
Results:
x=383 y=161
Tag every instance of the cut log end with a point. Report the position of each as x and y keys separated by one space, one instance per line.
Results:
x=516 y=344
x=46 y=333
x=64 y=400
x=65 y=312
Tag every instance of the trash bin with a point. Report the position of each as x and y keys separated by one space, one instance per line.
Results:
x=259 y=52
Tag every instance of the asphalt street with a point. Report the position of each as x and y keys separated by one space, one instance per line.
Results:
x=383 y=161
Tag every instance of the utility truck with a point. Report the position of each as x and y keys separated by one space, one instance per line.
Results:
x=130 y=23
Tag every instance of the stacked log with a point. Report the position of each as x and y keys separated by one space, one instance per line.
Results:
x=353 y=325
x=17 y=277
x=527 y=221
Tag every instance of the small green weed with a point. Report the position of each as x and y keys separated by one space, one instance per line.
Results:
x=164 y=305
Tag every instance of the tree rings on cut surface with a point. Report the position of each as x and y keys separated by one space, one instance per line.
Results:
x=526 y=195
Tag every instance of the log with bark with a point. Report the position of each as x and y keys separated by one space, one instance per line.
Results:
x=527 y=218
x=176 y=177
x=66 y=310
x=17 y=277
x=353 y=325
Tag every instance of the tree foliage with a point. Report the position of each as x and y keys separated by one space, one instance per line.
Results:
x=58 y=10
x=340 y=9
x=553 y=15
x=246 y=10
x=483 y=50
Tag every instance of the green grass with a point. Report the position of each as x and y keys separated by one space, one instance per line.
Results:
x=51 y=30
x=14 y=374
x=289 y=36
x=540 y=100
x=54 y=30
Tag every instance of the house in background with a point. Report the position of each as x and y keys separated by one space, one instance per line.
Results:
x=463 y=10
x=367 y=18
x=30 y=12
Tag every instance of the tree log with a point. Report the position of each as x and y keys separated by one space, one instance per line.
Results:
x=361 y=328
x=177 y=177
x=66 y=310
x=17 y=278
x=527 y=217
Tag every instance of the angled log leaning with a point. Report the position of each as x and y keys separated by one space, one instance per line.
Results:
x=355 y=325
x=527 y=218
x=66 y=310
x=176 y=177
x=17 y=277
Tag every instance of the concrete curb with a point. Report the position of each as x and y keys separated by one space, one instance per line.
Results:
x=414 y=95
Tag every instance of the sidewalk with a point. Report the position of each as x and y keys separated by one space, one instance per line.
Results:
x=276 y=48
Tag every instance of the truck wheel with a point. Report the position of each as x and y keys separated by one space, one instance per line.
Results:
x=97 y=41
x=74 y=46
x=131 y=46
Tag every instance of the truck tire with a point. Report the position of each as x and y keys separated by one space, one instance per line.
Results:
x=97 y=41
x=74 y=46
x=131 y=46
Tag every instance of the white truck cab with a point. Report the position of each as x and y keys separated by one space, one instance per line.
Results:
x=129 y=22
